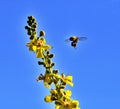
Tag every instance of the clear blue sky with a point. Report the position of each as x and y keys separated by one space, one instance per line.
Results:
x=95 y=64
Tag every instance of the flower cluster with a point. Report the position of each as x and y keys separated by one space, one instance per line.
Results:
x=59 y=95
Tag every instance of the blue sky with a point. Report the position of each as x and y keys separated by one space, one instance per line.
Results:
x=95 y=64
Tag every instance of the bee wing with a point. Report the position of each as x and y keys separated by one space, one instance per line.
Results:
x=67 y=40
x=82 y=38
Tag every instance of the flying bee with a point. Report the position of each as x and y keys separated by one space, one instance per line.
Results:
x=74 y=40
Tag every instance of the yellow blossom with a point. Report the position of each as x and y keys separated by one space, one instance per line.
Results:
x=71 y=104
x=47 y=80
x=57 y=107
x=65 y=105
x=53 y=91
x=32 y=44
x=59 y=95
x=68 y=80
x=75 y=104
x=48 y=99
x=68 y=93
x=39 y=46
x=57 y=76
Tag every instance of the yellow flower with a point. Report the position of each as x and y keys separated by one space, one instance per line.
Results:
x=75 y=104
x=65 y=105
x=69 y=105
x=67 y=79
x=48 y=99
x=57 y=76
x=47 y=80
x=39 y=46
x=57 y=107
x=32 y=44
x=68 y=93
x=53 y=91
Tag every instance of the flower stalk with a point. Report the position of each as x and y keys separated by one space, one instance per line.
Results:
x=59 y=95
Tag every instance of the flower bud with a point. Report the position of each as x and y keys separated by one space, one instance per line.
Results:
x=49 y=61
x=51 y=55
x=29 y=22
x=53 y=64
x=33 y=29
x=30 y=17
x=63 y=83
x=58 y=102
x=47 y=71
x=55 y=71
x=33 y=20
x=48 y=99
x=26 y=27
x=48 y=52
x=62 y=86
x=42 y=33
x=53 y=91
x=40 y=63
x=34 y=25
x=50 y=83
x=29 y=32
x=31 y=37
x=56 y=81
x=53 y=98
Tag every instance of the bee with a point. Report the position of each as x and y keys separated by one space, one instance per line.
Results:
x=74 y=40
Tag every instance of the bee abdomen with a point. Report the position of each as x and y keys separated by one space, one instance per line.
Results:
x=73 y=44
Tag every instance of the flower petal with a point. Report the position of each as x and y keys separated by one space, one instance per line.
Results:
x=68 y=93
x=46 y=47
x=69 y=78
x=48 y=99
x=39 y=53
